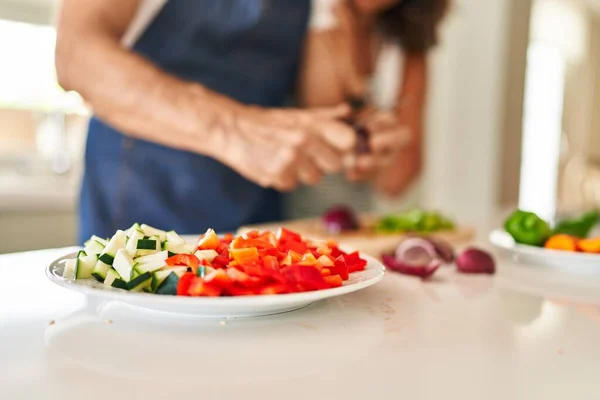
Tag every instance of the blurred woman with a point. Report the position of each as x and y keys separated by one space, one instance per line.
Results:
x=351 y=46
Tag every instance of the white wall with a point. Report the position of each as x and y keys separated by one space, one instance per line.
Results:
x=466 y=109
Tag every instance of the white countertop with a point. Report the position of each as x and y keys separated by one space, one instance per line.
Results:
x=455 y=337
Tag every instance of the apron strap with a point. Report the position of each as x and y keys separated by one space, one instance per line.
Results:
x=146 y=12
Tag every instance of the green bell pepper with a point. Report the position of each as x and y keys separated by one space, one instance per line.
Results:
x=527 y=228
x=578 y=227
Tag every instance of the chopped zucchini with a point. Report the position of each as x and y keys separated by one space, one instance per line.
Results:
x=151 y=231
x=93 y=247
x=98 y=239
x=149 y=267
x=146 y=244
x=111 y=276
x=100 y=271
x=140 y=282
x=123 y=264
x=169 y=285
x=174 y=248
x=132 y=242
x=117 y=242
x=151 y=258
x=81 y=253
x=69 y=271
x=134 y=228
x=84 y=266
x=120 y=284
x=174 y=238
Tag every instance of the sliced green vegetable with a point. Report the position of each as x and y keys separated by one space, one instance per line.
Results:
x=579 y=227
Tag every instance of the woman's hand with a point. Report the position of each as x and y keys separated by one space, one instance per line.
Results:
x=281 y=148
x=386 y=139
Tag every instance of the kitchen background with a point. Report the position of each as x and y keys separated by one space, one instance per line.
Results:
x=511 y=118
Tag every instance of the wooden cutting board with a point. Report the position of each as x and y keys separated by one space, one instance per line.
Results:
x=364 y=240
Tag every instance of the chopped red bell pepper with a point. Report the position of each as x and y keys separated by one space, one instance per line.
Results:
x=237 y=290
x=188 y=260
x=292 y=245
x=283 y=235
x=244 y=256
x=277 y=288
x=270 y=262
x=242 y=278
x=304 y=278
x=241 y=243
x=184 y=283
x=340 y=267
x=334 y=280
x=199 y=287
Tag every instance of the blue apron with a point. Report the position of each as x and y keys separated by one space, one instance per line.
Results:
x=248 y=50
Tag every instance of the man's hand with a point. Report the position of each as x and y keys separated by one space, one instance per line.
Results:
x=283 y=147
x=386 y=139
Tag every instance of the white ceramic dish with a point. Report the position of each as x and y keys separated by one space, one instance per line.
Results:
x=573 y=262
x=215 y=307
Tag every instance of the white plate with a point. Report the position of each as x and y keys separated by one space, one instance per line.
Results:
x=574 y=262
x=215 y=307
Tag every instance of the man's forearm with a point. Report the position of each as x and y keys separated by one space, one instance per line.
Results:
x=130 y=93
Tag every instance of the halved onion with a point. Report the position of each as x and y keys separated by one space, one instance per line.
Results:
x=414 y=256
x=476 y=261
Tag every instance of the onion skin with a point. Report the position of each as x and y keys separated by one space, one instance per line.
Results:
x=422 y=271
x=475 y=261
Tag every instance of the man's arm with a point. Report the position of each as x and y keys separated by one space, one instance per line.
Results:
x=123 y=88
x=271 y=147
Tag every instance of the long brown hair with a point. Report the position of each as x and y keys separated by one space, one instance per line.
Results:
x=413 y=24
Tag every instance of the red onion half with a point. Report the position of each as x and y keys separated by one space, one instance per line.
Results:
x=475 y=261
x=414 y=256
x=340 y=219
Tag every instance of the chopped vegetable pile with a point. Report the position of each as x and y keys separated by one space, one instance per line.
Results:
x=418 y=221
x=147 y=259
x=568 y=235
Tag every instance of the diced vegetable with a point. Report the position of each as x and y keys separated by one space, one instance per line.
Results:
x=93 y=247
x=135 y=227
x=561 y=242
x=578 y=227
x=132 y=242
x=100 y=271
x=84 y=267
x=151 y=231
x=208 y=255
x=117 y=242
x=589 y=245
x=140 y=282
x=153 y=258
x=69 y=270
x=111 y=276
x=253 y=264
x=123 y=264
x=209 y=241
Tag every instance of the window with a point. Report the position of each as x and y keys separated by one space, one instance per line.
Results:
x=27 y=73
